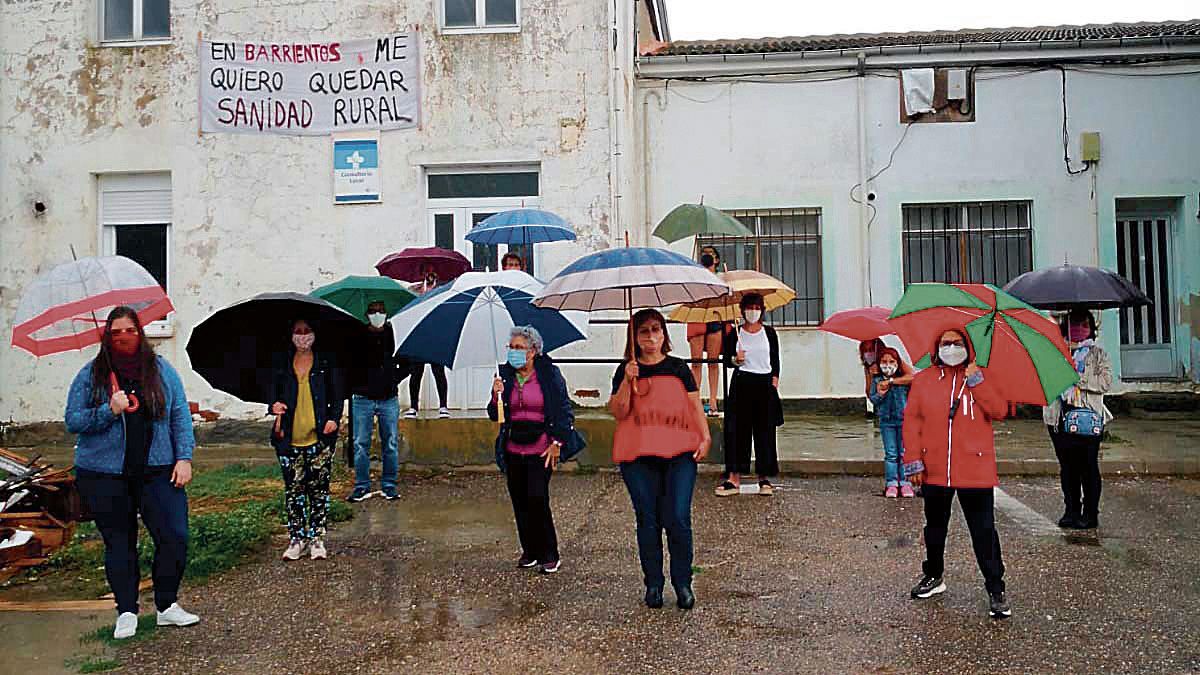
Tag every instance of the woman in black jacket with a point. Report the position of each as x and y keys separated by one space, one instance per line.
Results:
x=308 y=398
x=537 y=433
x=752 y=407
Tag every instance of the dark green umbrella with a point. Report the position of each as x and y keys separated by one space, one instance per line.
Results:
x=689 y=220
x=354 y=293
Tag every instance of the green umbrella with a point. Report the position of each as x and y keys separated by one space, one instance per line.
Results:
x=354 y=293
x=689 y=220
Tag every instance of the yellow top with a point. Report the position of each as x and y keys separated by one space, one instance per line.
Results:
x=304 y=423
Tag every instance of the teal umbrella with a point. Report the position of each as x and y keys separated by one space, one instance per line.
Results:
x=689 y=220
x=354 y=293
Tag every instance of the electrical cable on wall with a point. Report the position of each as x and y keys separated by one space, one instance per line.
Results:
x=1065 y=135
x=874 y=212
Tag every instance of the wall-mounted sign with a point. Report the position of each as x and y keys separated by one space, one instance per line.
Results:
x=356 y=169
x=310 y=89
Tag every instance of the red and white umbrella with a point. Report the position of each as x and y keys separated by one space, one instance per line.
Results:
x=65 y=308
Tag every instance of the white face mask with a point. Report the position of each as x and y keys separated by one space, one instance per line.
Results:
x=753 y=315
x=377 y=319
x=888 y=369
x=952 y=355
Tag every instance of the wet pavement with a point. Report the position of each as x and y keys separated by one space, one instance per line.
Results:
x=814 y=579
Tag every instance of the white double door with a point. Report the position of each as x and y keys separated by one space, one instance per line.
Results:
x=470 y=388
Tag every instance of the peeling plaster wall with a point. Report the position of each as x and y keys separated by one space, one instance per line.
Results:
x=256 y=213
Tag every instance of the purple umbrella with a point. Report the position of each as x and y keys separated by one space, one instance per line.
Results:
x=407 y=265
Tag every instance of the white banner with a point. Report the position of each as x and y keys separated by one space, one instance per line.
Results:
x=310 y=89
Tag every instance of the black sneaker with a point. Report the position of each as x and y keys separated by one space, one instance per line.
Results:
x=525 y=562
x=998 y=606
x=390 y=495
x=551 y=567
x=1069 y=521
x=359 y=494
x=928 y=587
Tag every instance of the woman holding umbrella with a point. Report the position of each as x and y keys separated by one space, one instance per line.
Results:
x=134 y=455
x=1078 y=448
x=537 y=433
x=948 y=422
x=307 y=402
x=428 y=282
x=661 y=434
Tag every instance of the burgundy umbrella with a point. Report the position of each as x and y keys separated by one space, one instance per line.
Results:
x=408 y=264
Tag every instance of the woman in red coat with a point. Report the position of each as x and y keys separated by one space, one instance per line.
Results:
x=948 y=426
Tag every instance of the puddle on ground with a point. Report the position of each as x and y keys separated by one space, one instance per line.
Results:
x=448 y=524
x=43 y=642
x=898 y=541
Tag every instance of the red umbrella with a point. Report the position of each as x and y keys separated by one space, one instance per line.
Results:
x=408 y=265
x=862 y=324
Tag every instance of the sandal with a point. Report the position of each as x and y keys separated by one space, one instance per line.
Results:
x=765 y=488
x=727 y=489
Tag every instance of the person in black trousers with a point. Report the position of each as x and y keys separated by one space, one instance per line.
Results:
x=752 y=409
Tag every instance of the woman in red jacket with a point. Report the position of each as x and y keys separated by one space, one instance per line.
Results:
x=948 y=421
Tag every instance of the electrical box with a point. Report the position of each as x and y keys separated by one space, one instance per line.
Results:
x=1089 y=146
x=956 y=84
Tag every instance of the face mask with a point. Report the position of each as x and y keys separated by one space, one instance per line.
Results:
x=304 y=341
x=888 y=369
x=952 y=355
x=126 y=344
x=753 y=315
x=1078 y=332
x=517 y=358
x=707 y=260
x=377 y=319
x=869 y=358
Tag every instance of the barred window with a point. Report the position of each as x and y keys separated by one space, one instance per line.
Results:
x=967 y=242
x=787 y=245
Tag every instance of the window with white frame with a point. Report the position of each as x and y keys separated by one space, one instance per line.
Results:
x=460 y=198
x=967 y=242
x=480 y=15
x=134 y=20
x=135 y=222
x=787 y=245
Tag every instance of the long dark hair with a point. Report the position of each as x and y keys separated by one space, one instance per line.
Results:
x=631 y=346
x=152 y=395
x=1075 y=316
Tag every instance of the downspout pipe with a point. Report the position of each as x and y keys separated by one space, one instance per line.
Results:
x=865 y=243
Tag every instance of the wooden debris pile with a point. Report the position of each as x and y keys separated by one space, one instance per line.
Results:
x=39 y=506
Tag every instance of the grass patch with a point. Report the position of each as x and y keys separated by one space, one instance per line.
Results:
x=147 y=625
x=92 y=664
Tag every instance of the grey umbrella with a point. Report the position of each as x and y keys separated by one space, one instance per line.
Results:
x=1068 y=286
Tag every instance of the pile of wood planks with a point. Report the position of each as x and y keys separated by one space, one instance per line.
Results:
x=34 y=497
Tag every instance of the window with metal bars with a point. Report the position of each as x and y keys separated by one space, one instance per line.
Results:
x=967 y=242
x=787 y=245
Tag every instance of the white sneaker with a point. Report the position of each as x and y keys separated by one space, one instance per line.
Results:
x=176 y=616
x=126 y=626
x=294 y=550
x=410 y=414
x=316 y=550
x=444 y=413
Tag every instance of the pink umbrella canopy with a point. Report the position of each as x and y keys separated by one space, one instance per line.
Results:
x=866 y=323
x=408 y=264
x=65 y=308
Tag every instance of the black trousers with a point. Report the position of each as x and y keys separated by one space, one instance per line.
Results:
x=1079 y=471
x=414 y=384
x=978 y=507
x=751 y=419
x=529 y=488
x=115 y=502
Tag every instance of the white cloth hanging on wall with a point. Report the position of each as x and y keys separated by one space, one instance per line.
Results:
x=918 y=90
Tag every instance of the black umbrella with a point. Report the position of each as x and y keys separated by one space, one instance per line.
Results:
x=235 y=347
x=1069 y=286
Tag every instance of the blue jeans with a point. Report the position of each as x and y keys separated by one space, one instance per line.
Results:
x=661 y=491
x=115 y=502
x=893 y=450
x=363 y=412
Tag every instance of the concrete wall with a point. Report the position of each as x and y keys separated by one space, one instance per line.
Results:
x=256 y=213
x=746 y=145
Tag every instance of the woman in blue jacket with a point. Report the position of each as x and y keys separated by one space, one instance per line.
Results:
x=133 y=455
x=538 y=432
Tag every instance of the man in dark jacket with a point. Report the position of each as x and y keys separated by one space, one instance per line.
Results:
x=374 y=379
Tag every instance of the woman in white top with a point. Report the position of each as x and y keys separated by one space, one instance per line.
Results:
x=752 y=409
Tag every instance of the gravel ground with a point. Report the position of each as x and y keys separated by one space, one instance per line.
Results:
x=814 y=579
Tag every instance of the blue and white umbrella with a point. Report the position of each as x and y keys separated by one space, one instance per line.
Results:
x=521 y=226
x=467 y=322
x=630 y=278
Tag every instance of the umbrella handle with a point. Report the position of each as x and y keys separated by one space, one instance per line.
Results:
x=499 y=402
x=115 y=386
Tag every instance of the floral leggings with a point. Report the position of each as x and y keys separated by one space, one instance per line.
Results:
x=306 y=473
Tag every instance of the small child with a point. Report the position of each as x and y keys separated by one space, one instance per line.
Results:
x=889 y=395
